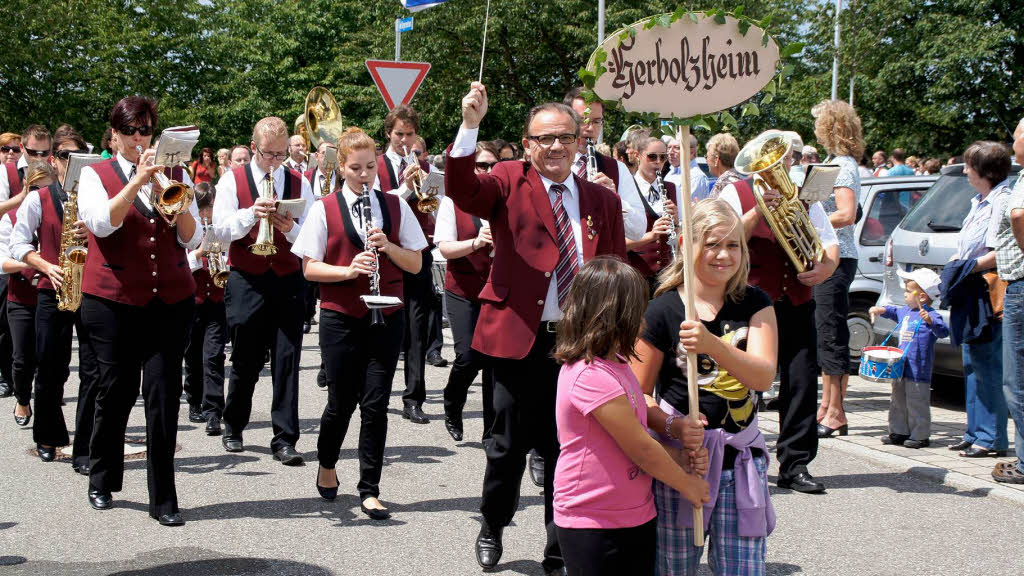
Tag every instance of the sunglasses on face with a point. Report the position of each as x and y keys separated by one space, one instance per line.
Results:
x=146 y=130
x=9 y=149
x=485 y=165
x=65 y=154
x=37 y=153
x=653 y=157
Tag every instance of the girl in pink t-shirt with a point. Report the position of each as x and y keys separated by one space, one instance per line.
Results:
x=603 y=504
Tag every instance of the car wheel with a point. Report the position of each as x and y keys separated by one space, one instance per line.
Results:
x=861 y=335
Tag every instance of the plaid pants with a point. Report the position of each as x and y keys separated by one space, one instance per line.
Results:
x=729 y=553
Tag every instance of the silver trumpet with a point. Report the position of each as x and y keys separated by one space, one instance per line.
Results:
x=374 y=301
x=591 y=160
x=673 y=232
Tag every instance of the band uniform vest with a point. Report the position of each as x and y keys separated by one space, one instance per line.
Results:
x=51 y=226
x=283 y=263
x=20 y=287
x=466 y=276
x=651 y=258
x=205 y=288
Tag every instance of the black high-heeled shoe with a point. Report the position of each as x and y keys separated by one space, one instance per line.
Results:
x=327 y=493
x=826 y=432
x=22 y=420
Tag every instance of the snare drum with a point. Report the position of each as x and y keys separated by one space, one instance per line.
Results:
x=882 y=364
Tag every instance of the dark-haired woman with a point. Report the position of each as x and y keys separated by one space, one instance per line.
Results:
x=137 y=307
x=204 y=168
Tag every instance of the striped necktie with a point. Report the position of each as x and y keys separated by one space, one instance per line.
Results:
x=401 y=172
x=581 y=168
x=568 y=265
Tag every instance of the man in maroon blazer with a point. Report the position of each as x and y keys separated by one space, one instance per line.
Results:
x=545 y=222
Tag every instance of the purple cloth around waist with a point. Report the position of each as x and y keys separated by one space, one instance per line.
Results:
x=755 y=511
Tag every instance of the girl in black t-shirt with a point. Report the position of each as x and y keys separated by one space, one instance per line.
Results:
x=736 y=343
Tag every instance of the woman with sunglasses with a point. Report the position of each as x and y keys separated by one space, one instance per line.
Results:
x=137 y=307
x=35 y=146
x=10 y=148
x=36 y=241
x=652 y=252
x=465 y=242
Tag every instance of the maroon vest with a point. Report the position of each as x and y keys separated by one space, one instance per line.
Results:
x=19 y=286
x=389 y=181
x=343 y=244
x=205 y=288
x=283 y=263
x=651 y=258
x=466 y=276
x=50 y=228
x=140 y=261
x=770 y=267
x=13 y=178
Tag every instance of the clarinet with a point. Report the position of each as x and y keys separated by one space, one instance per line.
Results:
x=591 y=160
x=673 y=233
x=376 y=316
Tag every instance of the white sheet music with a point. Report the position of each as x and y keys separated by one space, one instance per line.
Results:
x=433 y=183
x=818 y=182
x=176 y=144
x=75 y=164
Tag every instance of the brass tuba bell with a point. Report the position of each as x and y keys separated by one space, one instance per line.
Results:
x=322 y=122
x=763 y=158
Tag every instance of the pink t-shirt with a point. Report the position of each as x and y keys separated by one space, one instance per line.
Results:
x=596 y=484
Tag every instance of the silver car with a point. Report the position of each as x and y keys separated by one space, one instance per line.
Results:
x=927 y=237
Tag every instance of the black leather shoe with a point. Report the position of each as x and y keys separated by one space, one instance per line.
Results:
x=22 y=420
x=100 y=500
x=46 y=454
x=415 y=414
x=306 y=327
x=801 y=482
x=894 y=439
x=961 y=445
x=556 y=572
x=232 y=444
x=915 y=444
x=972 y=452
x=826 y=432
x=195 y=414
x=84 y=469
x=453 y=425
x=288 y=456
x=488 y=546
x=536 y=469
x=437 y=361
x=375 y=513
x=213 y=426
x=5 y=390
x=171 y=519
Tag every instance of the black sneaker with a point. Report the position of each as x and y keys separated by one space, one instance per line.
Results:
x=915 y=444
x=895 y=440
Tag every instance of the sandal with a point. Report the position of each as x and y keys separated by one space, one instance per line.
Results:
x=979 y=452
x=1008 y=475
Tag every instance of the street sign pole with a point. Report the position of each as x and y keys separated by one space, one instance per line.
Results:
x=398 y=40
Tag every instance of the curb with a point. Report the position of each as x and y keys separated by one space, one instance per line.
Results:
x=922 y=470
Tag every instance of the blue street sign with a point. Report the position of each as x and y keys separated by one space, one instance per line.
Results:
x=405 y=24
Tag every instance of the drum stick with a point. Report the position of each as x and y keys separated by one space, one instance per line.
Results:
x=686 y=223
x=483 y=49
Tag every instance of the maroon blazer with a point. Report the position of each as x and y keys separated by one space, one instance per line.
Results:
x=513 y=201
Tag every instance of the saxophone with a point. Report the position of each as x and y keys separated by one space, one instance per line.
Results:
x=71 y=258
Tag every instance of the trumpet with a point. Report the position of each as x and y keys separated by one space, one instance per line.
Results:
x=591 y=160
x=173 y=197
x=215 y=257
x=673 y=232
x=428 y=200
x=374 y=301
x=264 y=245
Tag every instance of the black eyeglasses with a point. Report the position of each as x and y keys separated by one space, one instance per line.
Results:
x=273 y=155
x=37 y=153
x=594 y=121
x=146 y=130
x=33 y=188
x=485 y=165
x=65 y=154
x=8 y=149
x=418 y=153
x=654 y=157
x=547 y=140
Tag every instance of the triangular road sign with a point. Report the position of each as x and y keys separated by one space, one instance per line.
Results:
x=397 y=81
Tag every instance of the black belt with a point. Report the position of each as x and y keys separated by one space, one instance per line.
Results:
x=548 y=326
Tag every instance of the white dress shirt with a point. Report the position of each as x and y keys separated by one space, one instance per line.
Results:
x=312 y=240
x=5 y=242
x=445 y=229
x=465 y=144
x=94 y=204
x=193 y=262
x=395 y=160
x=319 y=179
x=232 y=223
x=644 y=187
x=699 y=185
x=820 y=221
x=634 y=217
x=30 y=217
x=300 y=166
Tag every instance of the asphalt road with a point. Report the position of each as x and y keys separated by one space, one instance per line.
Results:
x=248 y=515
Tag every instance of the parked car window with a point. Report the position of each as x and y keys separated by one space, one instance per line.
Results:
x=946 y=204
x=887 y=210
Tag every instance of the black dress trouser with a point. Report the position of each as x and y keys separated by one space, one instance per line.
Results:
x=360 y=363
x=264 y=312
x=204 y=359
x=21 y=321
x=524 y=419
x=134 y=341
x=5 y=334
x=798 y=389
x=418 y=292
x=55 y=331
x=462 y=317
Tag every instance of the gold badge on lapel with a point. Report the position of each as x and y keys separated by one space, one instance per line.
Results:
x=590 y=228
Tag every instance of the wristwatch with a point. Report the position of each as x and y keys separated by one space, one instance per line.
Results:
x=668 y=426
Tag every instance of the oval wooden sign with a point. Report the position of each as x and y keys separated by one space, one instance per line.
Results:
x=685 y=69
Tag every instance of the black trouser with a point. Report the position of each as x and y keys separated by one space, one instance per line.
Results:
x=524 y=418
x=312 y=290
x=832 y=305
x=435 y=321
x=462 y=317
x=273 y=318
x=419 y=299
x=798 y=387
x=204 y=359
x=360 y=362
x=128 y=340
x=54 y=331
x=21 y=320
x=5 y=334
x=611 y=551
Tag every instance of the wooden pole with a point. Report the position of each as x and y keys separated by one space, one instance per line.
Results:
x=685 y=232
